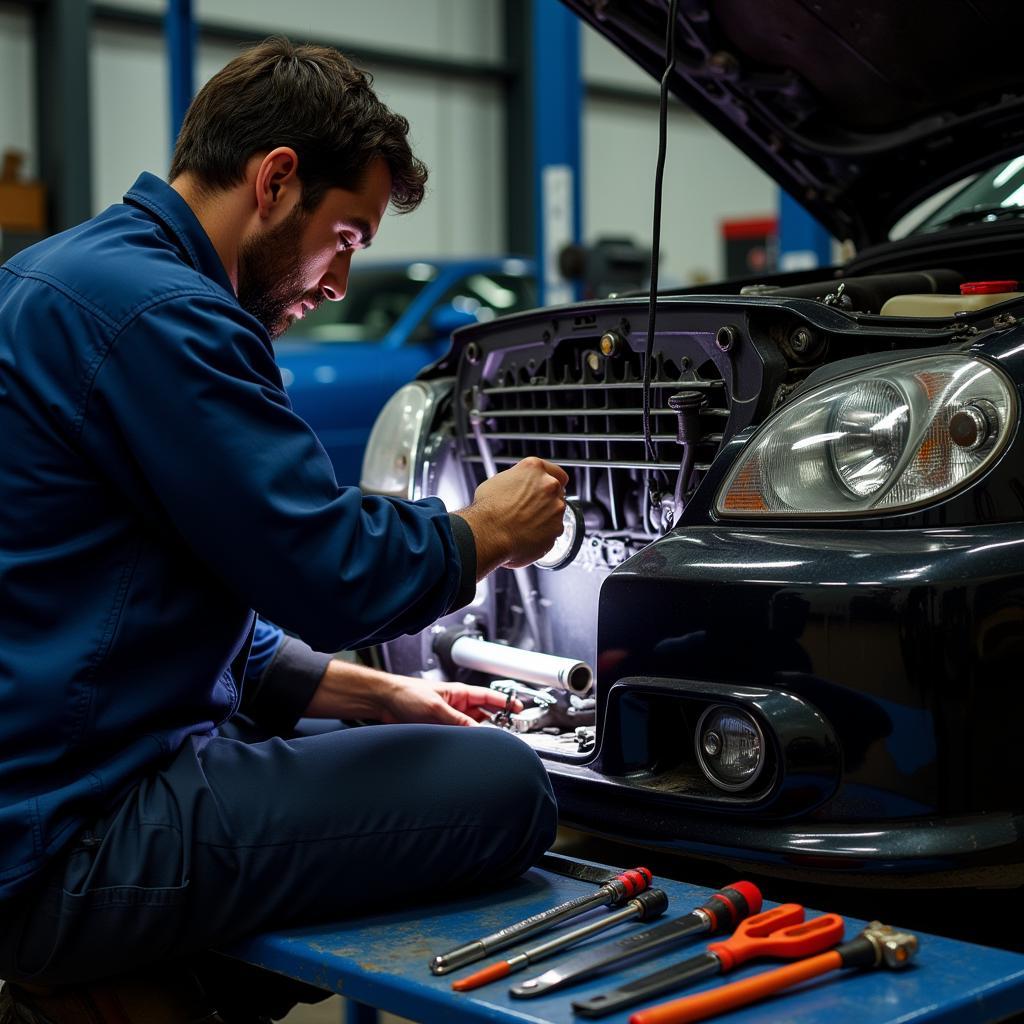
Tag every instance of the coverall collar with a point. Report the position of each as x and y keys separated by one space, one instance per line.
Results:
x=154 y=195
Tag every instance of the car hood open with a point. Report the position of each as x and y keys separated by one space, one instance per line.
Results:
x=859 y=109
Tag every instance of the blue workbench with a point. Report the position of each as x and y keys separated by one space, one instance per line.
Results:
x=381 y=961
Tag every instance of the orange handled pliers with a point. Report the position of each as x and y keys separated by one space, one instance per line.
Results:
x=781 y=932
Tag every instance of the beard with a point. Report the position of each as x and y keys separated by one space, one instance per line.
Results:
x=270 y=277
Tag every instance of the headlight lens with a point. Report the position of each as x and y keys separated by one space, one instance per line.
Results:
x=887 y=440
x=730 y=747
x=393 y=453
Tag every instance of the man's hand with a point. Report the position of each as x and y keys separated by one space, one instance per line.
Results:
x=421 y=700
x=517 y=515
x=348 y=690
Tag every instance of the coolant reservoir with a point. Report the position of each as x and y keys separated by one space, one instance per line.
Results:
x=973 y=295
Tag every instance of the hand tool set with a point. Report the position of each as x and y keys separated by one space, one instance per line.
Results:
x=612 y=893
x=721 y=912
x=645 y=907
x=781 y=932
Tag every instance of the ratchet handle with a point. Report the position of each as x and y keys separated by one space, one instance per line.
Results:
x=781 y=933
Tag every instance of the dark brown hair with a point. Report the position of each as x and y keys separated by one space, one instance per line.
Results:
x=310 y=98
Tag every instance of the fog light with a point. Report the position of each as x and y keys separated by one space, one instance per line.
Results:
x=730 y=747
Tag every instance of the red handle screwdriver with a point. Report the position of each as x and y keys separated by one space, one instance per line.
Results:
x=613 y=893
x=878 y=944
x=781 y=932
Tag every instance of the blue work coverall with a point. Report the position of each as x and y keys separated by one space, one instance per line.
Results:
x=155 y=488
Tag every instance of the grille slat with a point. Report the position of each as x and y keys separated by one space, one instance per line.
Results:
x=678 y=385
x=511 y=460
x=494 y=435
x=580 y=411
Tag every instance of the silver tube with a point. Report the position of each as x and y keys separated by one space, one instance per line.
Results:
x=530 y=666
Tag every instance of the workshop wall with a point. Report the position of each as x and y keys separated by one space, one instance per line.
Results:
x=707 y=179
x=17 y=75
x=457 y=124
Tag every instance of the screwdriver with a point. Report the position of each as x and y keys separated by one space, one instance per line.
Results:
x=781 y=932
x=878 y=944
x=722 y=912
x=613 y=893
x=645 y=907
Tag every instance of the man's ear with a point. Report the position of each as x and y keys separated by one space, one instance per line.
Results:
x=277 y=182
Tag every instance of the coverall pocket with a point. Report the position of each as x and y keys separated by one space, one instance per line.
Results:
x=73 y=937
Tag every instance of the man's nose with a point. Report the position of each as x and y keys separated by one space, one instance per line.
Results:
x=334 y=283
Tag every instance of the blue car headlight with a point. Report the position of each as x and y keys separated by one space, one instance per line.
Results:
x=883 y=440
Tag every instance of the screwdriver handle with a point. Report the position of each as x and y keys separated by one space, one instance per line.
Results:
x=701 y=1005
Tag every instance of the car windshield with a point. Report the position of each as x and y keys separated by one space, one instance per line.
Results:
x=996 y=194
x=375 y=299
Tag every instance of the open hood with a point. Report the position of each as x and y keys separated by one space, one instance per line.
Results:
x=859 y=109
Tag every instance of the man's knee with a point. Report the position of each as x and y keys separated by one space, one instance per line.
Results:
x=523 y=802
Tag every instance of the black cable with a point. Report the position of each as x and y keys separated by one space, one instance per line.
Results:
x=659 y=175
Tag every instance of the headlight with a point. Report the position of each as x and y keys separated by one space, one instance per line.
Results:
x=730 y=747
x=890 y=439
x=395 y=448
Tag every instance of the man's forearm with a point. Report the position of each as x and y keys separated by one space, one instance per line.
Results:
x=349 y=690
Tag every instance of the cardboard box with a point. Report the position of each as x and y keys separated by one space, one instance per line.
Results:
x=22 y=203
x=22 y=206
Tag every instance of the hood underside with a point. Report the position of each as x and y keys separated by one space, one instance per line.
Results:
x=860 y=109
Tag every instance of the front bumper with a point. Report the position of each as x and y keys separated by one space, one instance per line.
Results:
x=904 y=646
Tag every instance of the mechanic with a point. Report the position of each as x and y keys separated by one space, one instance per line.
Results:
x=155 y=488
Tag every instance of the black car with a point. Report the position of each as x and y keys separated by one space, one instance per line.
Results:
x=798 y=561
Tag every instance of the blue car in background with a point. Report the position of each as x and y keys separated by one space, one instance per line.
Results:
x=344 y=360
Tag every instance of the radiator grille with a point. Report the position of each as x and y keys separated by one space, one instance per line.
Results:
x=590 y=422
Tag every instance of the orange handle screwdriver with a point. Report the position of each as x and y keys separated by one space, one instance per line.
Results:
x=878 y=944
x=781 y=932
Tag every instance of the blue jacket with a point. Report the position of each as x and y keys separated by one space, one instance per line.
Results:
x=155 y=488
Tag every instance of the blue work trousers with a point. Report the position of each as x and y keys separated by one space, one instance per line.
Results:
x=236 y=837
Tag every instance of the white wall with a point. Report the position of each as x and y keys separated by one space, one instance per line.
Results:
x=707 y=179
x=17 y=84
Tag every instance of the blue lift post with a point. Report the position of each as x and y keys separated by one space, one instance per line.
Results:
x=180 y=33
x=803 y=243
x=557 y=109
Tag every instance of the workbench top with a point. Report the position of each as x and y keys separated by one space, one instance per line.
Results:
x=382 y=961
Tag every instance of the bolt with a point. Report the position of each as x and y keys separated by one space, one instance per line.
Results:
x=726 y=336
x=801 y=339
x=473 y=352
x=611 y=344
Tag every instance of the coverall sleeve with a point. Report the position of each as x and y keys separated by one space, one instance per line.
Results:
x=281 y=676
x=188 y=400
